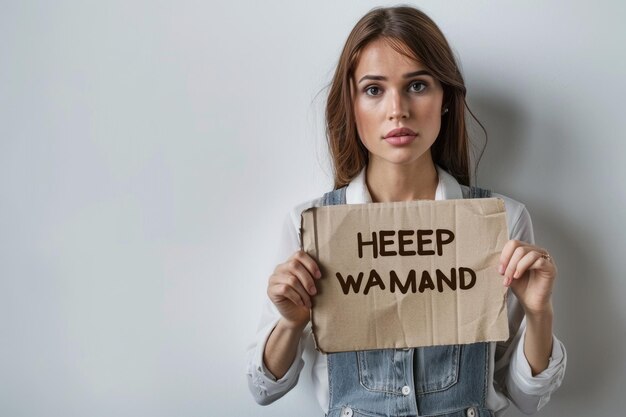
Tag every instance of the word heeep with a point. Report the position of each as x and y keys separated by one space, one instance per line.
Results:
x=384 y=242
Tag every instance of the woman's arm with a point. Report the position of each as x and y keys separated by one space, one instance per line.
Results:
x=274 y=359
x=538 y=340
x=530 y=272
x=282 y=347
x=264 y=386
x=534 y=362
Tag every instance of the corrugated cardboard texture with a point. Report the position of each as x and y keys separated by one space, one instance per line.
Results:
x=441 y=302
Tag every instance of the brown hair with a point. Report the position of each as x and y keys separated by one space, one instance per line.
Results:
x=410 y=32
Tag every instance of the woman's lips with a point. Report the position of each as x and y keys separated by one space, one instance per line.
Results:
x=400 y=140
x=400 y=136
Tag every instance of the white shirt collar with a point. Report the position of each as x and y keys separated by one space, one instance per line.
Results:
x=448 y=188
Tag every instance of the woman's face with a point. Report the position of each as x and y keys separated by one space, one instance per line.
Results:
x=391 y=91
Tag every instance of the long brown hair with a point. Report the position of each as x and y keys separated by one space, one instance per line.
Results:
x=413 y=34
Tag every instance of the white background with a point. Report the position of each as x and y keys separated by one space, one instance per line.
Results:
x=149 y=151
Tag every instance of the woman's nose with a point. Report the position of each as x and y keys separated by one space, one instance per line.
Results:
x=398 y=108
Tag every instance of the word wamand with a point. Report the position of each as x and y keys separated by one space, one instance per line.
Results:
x=464 y=279
x=384 y=242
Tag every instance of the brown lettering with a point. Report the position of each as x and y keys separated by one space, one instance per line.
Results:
x=421 y=241
x=410 y=282
x=350 y=282
x=462 y=284
x=374 y=280
x=384 y=242
x=402 y=242
x=426 y=282
x=441 y=278
x=362 y=243
x=441 y=242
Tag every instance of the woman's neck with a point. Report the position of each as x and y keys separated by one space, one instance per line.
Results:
x=393 y=182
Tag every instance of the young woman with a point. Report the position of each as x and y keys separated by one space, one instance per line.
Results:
x=396 y=132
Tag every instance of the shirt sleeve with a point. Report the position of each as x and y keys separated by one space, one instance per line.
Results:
x=264 y=386
x=529 y=393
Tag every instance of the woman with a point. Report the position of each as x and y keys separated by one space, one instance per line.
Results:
x=396 y=132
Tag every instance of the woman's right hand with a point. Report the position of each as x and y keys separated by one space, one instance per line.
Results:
x=291 y=287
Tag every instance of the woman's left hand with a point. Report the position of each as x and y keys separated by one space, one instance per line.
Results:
x=530 y=272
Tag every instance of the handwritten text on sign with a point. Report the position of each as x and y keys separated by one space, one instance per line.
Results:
x=407 y=274
x=409 y=243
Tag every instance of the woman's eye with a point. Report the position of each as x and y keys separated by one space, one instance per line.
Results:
x=372 y=90
x=420 y=87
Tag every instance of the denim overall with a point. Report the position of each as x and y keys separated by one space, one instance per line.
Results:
x=448 y=380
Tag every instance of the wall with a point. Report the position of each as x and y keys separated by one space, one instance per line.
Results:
x=150 y=150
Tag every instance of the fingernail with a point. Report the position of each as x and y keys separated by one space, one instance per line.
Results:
x=313 y=290
x=318 y=274
x=500 y=269
x=516 y=274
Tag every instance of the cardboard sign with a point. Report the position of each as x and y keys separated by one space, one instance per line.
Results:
x=407 y=274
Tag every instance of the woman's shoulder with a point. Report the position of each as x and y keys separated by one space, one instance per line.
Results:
x=294 y=215
x=296 y=211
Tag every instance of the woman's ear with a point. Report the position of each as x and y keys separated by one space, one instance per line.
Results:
x=445 y=108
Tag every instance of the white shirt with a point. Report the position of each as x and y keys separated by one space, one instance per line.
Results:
x=511 y=369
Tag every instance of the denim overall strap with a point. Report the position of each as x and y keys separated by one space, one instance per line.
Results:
x=448 y=381
x=476 y=192
x=335 y=197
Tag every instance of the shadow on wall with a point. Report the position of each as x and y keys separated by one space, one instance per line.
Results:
x=587 y=318
x=505 y=128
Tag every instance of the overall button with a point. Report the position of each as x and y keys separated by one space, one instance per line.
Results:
x=406 y=390
x=471 y=412
x=346 y=412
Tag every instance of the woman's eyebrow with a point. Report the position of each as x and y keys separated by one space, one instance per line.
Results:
x=382 y=78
